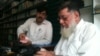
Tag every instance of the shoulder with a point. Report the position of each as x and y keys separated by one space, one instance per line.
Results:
x=30 y=19
x=47 y=22
x=86 y=27
x=90 y=26
x=84 y=24
x=89 y=29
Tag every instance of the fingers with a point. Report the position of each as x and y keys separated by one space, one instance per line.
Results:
x=41 y=53
x=42 y=49
x=37 y=55
x=22 y=36
x=45 y=53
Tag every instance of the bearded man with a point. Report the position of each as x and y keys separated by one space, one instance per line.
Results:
x=79 y=38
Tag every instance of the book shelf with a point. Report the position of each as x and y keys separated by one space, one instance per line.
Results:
x=14 y=14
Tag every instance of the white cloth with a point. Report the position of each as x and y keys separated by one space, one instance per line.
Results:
x=84 y=41
x=38 y=34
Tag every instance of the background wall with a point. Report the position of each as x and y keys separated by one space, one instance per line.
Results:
x=97 y=20
x=86 y=14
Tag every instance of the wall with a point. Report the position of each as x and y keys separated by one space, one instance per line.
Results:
x=97 y=20
x=86 y=14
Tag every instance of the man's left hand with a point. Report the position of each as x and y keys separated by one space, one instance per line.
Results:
x=45 y=53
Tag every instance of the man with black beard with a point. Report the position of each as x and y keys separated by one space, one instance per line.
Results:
x=36 y=31
x=79 y=38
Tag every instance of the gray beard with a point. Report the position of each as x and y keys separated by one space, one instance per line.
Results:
x=66 y=32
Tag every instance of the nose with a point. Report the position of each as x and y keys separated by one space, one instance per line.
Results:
x=64 y=23
x=61 y=22
x=40 y=15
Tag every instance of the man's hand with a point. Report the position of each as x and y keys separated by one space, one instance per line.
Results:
x=22 y=36
x=28 y=42
x=24 y=40
x=45 y=53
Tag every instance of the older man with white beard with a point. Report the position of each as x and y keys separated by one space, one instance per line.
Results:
x=79 y=38
x=66 y=32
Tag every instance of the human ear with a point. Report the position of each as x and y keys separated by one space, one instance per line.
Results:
x=76 y=15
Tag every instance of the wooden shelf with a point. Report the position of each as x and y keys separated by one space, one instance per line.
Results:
x=15 y=6
x=5 y=7
x=30 y=8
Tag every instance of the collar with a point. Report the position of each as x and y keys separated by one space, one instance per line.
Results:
x=44 y=22
x=80 y=24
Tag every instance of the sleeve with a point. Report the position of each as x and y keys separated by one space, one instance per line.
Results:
x=48 y=35
x=24 y=27
x=90 y=43
x=57 y=49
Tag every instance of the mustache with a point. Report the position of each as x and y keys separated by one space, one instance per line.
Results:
x=39 y=17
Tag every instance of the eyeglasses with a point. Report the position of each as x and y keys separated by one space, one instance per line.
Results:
x=65 y=17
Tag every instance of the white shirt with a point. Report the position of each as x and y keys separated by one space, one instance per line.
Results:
x=37 y=34
x=84 y=41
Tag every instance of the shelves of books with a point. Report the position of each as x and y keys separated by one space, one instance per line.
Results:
x=15 y=14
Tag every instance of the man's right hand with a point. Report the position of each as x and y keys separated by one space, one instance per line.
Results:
x=24 y=39
x=22 y=36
